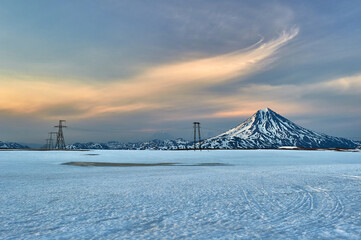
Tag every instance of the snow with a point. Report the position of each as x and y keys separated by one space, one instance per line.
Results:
x=268 y=194
x=288 y=147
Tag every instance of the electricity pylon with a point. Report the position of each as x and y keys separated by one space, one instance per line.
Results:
x=51 y=140
x=47 y=144
x=60 y=142
x=196 y=125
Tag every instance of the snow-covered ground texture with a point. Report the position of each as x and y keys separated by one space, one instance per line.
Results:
x=268 y=194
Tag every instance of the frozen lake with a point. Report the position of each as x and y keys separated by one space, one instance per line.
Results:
x=273 y=194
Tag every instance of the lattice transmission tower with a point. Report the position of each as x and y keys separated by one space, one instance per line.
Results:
x=196 y=126
x=60 y=142
x=47 y=144
x=51 y=140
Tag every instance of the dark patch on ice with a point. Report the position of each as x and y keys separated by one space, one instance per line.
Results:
x=204 y=164
x=107 y=164
x=92 y=154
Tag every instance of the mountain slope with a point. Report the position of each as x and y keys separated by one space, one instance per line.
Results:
x=267 y=129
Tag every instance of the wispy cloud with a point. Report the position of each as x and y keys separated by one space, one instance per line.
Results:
x=292 y=98
x=160 y=87
x=349 y=85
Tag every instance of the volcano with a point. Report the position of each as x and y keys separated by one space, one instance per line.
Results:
x=268 y=129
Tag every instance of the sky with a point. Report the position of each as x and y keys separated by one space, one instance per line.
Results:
x=137 y=70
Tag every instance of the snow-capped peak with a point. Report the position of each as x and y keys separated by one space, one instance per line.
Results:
x=264 y=121
x=265 y=110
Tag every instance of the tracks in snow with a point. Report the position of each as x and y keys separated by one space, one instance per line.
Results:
x=299 y=206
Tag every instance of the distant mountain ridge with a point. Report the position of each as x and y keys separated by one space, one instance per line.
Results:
x=12 y=145
x=268 y=129
x=264 y=129
x=155 y=144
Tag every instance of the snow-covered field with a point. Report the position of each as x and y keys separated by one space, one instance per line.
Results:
x=273 y=194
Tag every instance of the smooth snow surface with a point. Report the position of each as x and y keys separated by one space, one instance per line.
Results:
x=268 y=194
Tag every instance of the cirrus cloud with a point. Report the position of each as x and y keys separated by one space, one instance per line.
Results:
x=160 y=87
